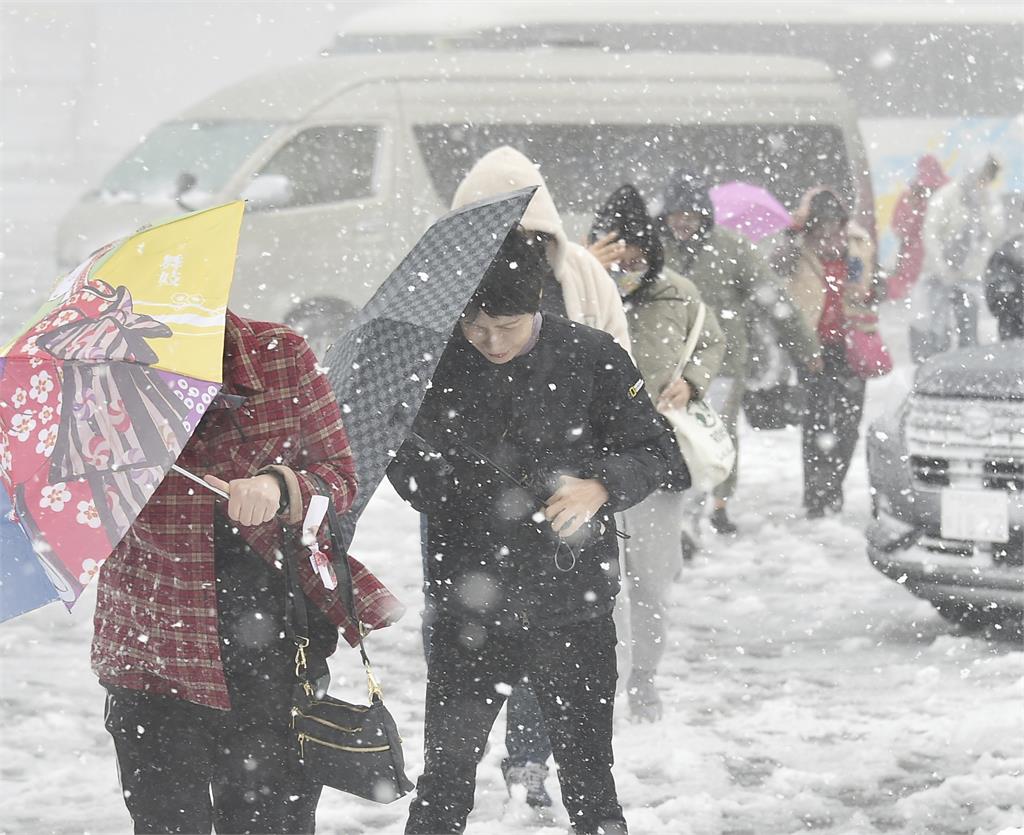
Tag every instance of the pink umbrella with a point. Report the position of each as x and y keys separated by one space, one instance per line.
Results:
x=748 y=209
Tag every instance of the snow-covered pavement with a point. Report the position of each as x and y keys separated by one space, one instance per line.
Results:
x=804 y=692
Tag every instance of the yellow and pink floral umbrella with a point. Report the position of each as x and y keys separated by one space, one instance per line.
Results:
x=100 y=393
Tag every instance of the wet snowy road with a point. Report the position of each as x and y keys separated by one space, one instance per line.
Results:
x=803 y=691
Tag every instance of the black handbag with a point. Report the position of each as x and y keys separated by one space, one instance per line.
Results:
x=353 y=748
x=774 y=408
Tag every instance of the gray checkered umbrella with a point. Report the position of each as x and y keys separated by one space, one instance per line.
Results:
x=380 y=367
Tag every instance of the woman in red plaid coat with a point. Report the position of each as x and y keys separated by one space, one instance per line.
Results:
x=189 y=627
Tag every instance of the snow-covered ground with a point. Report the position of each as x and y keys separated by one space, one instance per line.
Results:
x=803 y=690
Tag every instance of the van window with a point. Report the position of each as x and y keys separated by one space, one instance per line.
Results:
x=327 y=164
x=583 y=164
x=210 y=151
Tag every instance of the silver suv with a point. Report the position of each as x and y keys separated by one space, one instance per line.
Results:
x=947 y=480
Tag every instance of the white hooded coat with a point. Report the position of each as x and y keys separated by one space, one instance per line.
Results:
x=950 y=215
x=589 y=293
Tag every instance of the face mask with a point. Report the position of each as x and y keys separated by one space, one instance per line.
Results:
x=628 y=281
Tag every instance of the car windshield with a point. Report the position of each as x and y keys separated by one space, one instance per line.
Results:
x=582 y=164
x=208 y=151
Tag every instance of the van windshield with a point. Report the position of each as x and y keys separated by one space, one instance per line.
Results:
x=208 y=151
x=583 y=164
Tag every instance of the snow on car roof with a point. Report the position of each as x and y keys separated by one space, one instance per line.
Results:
x=446 y=18
x=290 y=93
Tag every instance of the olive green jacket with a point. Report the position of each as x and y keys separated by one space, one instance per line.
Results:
x=660 y=316
x=727 y=269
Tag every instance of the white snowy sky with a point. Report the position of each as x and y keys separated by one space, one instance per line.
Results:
x=86 y=80
x=80 y=82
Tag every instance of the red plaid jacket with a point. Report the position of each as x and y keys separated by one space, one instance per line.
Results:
x=156 y=609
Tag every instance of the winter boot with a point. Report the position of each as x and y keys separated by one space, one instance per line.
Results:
x=530 y=776
x=644 y=701
x=721 y=523
x=689 y=547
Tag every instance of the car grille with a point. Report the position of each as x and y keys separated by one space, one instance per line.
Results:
x=968 y=444
x=971 y=444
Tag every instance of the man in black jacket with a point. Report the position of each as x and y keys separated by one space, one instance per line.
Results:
x=1004 y=273
x=534 y=433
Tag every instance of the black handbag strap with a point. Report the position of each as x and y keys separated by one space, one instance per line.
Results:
x=296 y=613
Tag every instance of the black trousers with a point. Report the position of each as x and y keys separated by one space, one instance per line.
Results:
x=831 y=427
x=185 y=768
x=1011 y=324
x=469 y=671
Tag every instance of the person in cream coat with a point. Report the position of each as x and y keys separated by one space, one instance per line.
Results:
x=578 y=287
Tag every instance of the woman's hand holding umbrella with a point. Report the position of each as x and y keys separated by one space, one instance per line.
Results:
x=251 y=501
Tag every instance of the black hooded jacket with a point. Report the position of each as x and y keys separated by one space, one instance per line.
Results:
x=574 y=405
x=625 y=214
x=1004 y=287
x=688 y=193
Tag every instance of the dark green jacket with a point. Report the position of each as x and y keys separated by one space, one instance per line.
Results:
x=727 y=270
x=660 y=317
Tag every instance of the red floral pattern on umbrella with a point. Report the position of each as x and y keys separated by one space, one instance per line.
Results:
x=100 y=393
x=90 y=429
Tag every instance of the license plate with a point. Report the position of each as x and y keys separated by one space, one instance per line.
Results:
x=975 y=515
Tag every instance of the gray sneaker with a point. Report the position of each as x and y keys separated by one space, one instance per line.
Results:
x=531 y=776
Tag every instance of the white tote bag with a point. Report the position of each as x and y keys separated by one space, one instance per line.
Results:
x=700 y=433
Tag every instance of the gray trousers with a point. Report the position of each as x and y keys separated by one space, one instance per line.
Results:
x=651 y=560
x=943 y=315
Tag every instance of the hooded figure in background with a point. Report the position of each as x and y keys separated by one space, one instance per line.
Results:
x=1004 y=275
x=908 y=224
x=961 y=229
x=661 y=309
x=575 y=286
x=727 y=270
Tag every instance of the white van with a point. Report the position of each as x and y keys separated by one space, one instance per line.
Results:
x=347 y=160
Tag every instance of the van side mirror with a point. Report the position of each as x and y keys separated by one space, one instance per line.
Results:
x=268 y=191
x=183 y=184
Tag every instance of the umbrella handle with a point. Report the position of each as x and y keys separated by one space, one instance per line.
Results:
x=199 y=481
